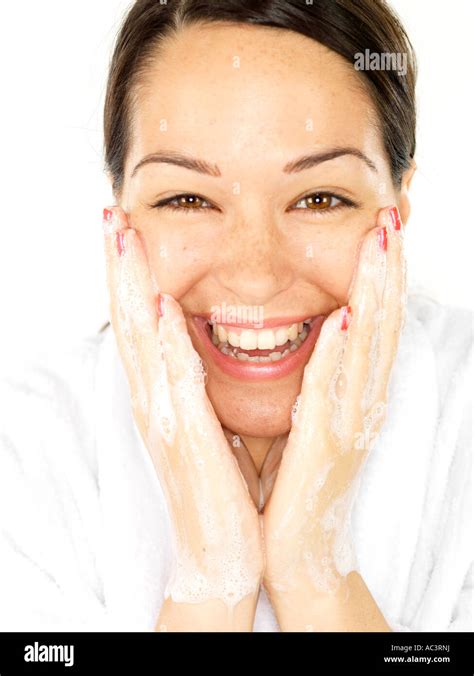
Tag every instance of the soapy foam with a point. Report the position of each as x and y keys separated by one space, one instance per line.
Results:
x=335 y=557
x=340 y=421
x=134 y=318
x=373 y=376
x=227 y=568
x=336 y=521
x=231 y=577
x=226 y=572
x=294 y=409
x=162 y=419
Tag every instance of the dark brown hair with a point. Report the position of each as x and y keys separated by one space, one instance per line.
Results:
x=348 y=27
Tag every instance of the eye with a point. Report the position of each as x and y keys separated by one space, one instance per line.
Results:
x=318 y=201
x=323 y=201
x=184 y=202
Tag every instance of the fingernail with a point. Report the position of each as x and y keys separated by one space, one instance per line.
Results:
x=395 y=218
x=346 y=317
x=382 y=238
x=120 y=242
x=108 y=221
x=159 y=305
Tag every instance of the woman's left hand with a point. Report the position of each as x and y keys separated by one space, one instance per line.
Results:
x=339 y=413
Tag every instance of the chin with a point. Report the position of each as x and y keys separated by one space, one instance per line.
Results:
x=253 y=409
x=254 y=375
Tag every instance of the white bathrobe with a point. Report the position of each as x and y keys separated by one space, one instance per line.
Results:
x=84 y=530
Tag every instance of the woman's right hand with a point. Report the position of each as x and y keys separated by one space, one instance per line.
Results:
x=217 y=536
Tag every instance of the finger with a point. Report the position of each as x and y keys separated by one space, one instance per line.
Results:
x=113 y=222
x=394 y=303
x=362 y=352
x=138 y=301
x=111 y=226
x=318 y=405
x=203 y=447
x=185 y=372
x=307 y=458
x=133 y=312
x=134 y=297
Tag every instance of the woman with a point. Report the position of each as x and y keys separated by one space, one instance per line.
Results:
x=270 y=435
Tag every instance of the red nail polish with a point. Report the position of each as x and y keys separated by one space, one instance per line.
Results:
x=159 y=305
x=382 y=238
x=120 y=242
x=346 y=317
x=395 y=218
x=107 y=214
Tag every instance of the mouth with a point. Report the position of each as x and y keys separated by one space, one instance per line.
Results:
x=248 y=353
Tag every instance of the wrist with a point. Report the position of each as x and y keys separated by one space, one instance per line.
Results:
x=225 y=576
x=207 y=616
x=306 y=607
x=349 y=607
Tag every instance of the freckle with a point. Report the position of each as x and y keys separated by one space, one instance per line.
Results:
x=341 y=385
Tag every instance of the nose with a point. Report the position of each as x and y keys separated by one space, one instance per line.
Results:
x=251 y=264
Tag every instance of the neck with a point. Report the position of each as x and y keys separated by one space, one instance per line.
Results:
x=258 y=448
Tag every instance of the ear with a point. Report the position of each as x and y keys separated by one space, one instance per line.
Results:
x=404 y=201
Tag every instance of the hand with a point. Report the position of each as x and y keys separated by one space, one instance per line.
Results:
x=341 y=409
x=218 y=544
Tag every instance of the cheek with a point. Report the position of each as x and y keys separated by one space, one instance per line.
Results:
x=327 y=259
x=333 y=269
x=177 y=260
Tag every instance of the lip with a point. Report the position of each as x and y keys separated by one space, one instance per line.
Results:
x=266 y=324
x=243 y=370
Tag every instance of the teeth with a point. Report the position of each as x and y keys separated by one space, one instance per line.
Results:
x=281 y=336
x=233 y=339
x=222 y=333
x=228 y=342
x=293 y=332
x=266 y=339
x=248 y=340
x=263 y=339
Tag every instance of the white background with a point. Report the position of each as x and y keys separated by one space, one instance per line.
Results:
x=54 y=58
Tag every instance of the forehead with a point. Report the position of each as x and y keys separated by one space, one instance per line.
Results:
x=228 y=91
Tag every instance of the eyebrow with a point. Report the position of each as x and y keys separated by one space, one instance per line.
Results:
x=313 y=159
x=300 y=164
x=179 y=160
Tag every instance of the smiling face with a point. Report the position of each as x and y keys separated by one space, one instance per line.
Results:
x=259 y=235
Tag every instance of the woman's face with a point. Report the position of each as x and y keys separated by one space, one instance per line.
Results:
x=246 y=247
